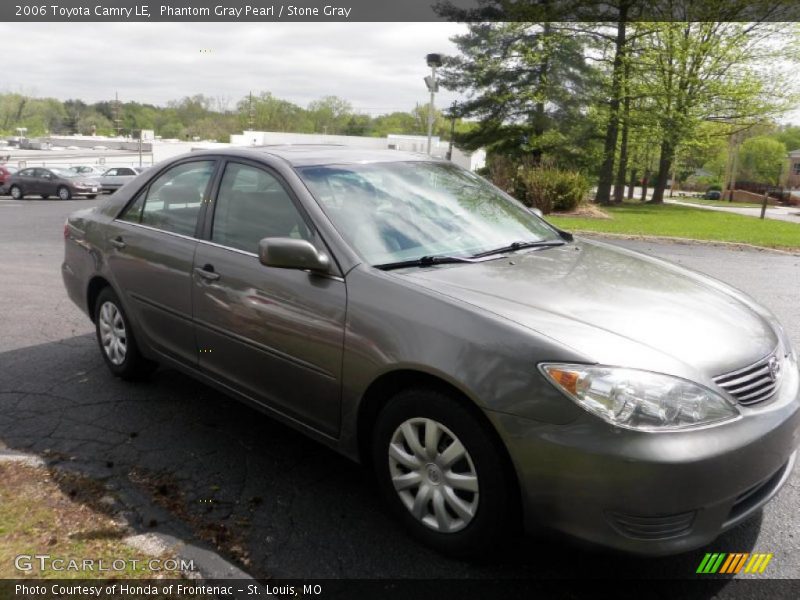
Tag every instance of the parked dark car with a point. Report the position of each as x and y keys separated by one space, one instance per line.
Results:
x=494 y=371
x=38 y=181
x=713 y=195
x=6 y=171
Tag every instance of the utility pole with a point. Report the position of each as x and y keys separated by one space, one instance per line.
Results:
x=766 y=192
x=250 y=112
x=117 y=120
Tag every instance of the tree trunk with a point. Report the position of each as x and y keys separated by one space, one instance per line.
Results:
x=645 y=181
x=603 y=195
x=619 y=185
x=631 y=184
x=664 y=167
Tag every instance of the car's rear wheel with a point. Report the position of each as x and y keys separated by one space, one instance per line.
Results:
x=115 y=337
x=16 y=192
x=443 y=474
x=64 y=193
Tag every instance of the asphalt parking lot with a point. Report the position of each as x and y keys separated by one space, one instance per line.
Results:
x=293 y=508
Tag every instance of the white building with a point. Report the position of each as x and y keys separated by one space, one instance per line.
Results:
x=406 y=143
x=65 y=151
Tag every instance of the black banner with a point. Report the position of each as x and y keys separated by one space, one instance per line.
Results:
x=403 y=589
x=396 y=10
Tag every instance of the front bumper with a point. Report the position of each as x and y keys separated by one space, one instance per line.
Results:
x=653 y=493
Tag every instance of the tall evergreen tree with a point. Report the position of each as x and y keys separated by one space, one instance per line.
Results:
x=525 y=84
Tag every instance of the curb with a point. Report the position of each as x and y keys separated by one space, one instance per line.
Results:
x=172 y=535
x=686 y=241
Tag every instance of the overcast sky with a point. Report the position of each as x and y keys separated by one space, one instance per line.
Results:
x=378 y=67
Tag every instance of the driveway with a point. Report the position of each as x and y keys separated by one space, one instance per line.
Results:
x=790 y=214
x=286 y=506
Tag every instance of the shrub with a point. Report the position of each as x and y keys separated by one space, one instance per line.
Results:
x=549 y=189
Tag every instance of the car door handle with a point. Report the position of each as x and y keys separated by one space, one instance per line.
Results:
x=118 y=243
x=207 y=272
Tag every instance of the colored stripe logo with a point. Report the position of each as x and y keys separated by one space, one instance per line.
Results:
x=729 y=563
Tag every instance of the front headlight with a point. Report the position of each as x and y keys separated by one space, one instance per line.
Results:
x=640 y=399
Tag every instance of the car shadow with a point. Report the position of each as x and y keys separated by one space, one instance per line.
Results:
x=281 y=504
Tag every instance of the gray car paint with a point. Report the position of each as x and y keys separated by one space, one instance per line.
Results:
x=483 y=328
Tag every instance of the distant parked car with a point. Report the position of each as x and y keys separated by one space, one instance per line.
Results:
x=51 y=182
x=713 y=195
x=6 y=171
x=93 y=171
x=116 y=177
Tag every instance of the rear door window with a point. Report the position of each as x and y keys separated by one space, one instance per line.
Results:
x=172 y=201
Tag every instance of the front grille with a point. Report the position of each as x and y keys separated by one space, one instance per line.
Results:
x=653 y=528
x=755 y=383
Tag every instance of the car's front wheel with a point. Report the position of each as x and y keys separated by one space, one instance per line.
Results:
x=64 y=193
x=16 y=192
x=443 y=474
x=116 y=339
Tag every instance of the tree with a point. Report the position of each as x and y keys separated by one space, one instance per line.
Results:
x=710 y=70
x=526 y=85
x=761 y=160
x=790 y=136
x=619 y=72
x=271 y=114
x=329 y=114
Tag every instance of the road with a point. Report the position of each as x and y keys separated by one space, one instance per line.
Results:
x=290 y=506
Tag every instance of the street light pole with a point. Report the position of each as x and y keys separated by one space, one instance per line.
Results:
x=452 y=130
x=433 y=60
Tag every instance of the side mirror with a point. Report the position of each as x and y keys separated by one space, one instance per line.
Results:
x=289 y=253
x=536 y=211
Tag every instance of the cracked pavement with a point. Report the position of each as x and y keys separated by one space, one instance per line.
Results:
x=291 y=508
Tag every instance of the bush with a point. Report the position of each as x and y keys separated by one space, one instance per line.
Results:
x=549 y=189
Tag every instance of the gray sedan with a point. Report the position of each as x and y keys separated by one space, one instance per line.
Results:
x=497 y=374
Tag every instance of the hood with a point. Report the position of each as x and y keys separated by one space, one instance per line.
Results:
x=614 y=306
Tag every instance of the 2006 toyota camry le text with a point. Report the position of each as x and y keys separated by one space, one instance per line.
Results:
x=497 y=374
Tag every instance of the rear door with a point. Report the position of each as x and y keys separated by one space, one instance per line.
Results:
x=151 y=248
x=273 y=334
x=47 y=182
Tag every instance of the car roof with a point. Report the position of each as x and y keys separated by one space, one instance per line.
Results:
x=305 y=155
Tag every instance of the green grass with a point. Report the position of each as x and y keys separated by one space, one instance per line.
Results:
x=673 y=220
x=720 y=203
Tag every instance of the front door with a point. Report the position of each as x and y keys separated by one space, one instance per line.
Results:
x=151 y=253
x=274 y=334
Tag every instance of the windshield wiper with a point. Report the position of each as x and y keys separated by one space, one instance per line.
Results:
x=427 y=261
x=519 y=246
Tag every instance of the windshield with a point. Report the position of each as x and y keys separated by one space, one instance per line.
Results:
x=392 y=212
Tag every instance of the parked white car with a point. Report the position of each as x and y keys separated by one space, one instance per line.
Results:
x=91 y=171
x=115 y=177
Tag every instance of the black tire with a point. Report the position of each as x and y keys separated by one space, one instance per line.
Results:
x=64 y=193
x=496 y=517
x=92 y=196
x=133 y=365
x=45 y=196
x=16 y=192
